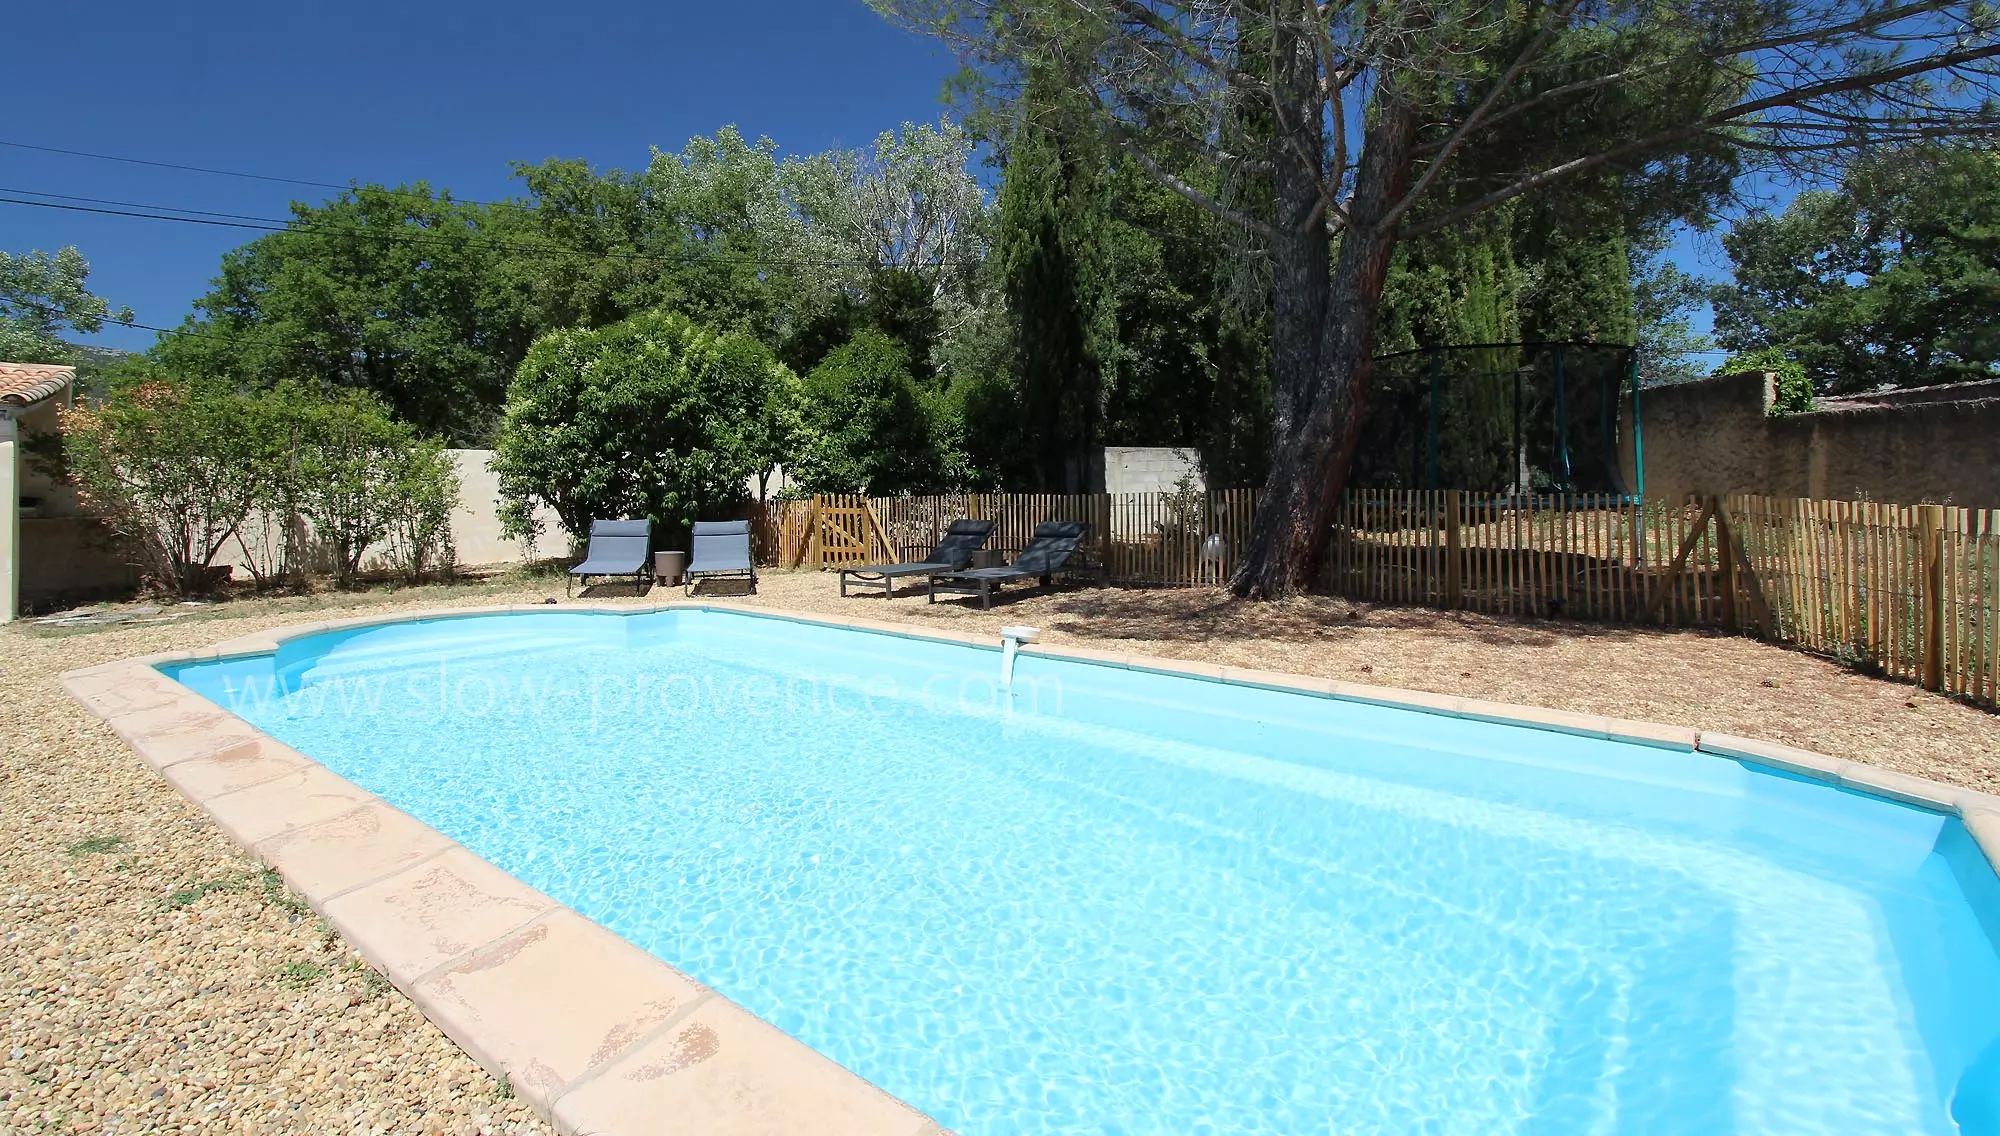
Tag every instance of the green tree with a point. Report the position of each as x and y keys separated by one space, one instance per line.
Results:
x=1183 y=353
x=1391 y=122
x=1454 y=288
x=871 y=428
x=781 y=430
x=580 y=250
x=1664 y=300
x=361 y=475
x=652 y=416
x=173 y=467
x=1794 y=392
x=903 y=223
x=40 y=297
x=1891 y=279
x=1049 y=244
x=383 y=290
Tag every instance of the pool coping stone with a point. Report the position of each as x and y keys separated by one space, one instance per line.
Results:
x=597 y=1035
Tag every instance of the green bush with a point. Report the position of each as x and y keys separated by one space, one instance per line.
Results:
x=870 y=429
x=426 y=493
x=352 y=464
x=656 y=416
x=183 y=467
x=172 y=467
x=1795 y=389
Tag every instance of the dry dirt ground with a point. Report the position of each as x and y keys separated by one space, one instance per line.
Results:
x=157 y=980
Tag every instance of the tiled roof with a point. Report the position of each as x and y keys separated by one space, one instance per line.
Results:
x=24 y=384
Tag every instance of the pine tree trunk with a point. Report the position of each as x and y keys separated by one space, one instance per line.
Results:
x=1323 y=335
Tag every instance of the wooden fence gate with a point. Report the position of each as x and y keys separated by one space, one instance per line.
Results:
x=846 y=533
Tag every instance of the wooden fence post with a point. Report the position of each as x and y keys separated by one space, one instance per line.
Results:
x=1665 y=587
x=812 y=535
x=1454 y=583
x=1930 y=519
x=1743 y=568
x=1725 y=555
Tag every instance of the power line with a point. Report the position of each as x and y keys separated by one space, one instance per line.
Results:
x=147 y=216
x=76 y=204
x=350 y=187
x=136 y=205
x=170 y=165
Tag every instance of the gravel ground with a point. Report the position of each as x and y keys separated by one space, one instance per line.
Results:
x=158 y=980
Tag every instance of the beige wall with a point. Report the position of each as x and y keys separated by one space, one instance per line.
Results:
x=475 y=527
x=1940 y=444
x=475 y=524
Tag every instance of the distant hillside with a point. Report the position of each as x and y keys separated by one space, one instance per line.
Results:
x=90 y=367
x=96 y=358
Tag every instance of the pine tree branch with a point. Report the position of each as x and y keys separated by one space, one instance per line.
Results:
x=1796 y=99
x=1179 y=185
x=1876 y=19
x=1527 y=56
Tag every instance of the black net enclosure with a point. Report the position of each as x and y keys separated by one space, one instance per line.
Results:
x=1518 y=418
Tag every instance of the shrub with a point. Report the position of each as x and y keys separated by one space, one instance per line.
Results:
x=870 y=428
x=656 y=416
x=1795 y=389
x=173 y=467
x=356 y=471
x=182 y=467
x=424 y=496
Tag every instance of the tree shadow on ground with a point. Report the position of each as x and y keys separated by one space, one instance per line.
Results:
x=621 y=589
x=720 y=588
x=1198 y=615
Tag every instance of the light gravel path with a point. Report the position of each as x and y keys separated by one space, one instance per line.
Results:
x=156 y=980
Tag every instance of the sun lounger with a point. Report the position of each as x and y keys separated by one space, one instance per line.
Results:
x=721 y=549
x=1055 y=550
x=952 y=553
x=617 y=548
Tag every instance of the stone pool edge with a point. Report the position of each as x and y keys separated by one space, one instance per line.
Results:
x=597 y=1035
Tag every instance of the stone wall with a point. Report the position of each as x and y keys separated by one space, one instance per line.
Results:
x=1149 y=469
x=1935 y=444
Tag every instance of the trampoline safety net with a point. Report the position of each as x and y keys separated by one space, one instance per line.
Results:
x=1500 y=418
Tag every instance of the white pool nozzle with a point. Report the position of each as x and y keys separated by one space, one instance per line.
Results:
x=1011 y=639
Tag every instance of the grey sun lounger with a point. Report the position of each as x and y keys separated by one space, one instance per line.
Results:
x=617 y=548
x=721 y=549
x=1055 y=550
x=952 y=553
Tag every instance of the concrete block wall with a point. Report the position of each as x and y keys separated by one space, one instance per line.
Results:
x=1149 y=469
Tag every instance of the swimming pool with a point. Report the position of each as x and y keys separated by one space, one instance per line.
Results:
x=1110 y=900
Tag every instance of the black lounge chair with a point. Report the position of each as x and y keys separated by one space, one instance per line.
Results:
x=1053 y=551
x=721 y=549
x=951 y=554
x=617 y=548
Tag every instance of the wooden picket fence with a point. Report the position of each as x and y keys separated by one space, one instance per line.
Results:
x=1143 y=539
x=1913 y=590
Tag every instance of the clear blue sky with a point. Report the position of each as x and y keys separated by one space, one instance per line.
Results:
x=376 y=91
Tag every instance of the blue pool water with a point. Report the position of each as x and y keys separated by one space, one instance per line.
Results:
x=1112 y=901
